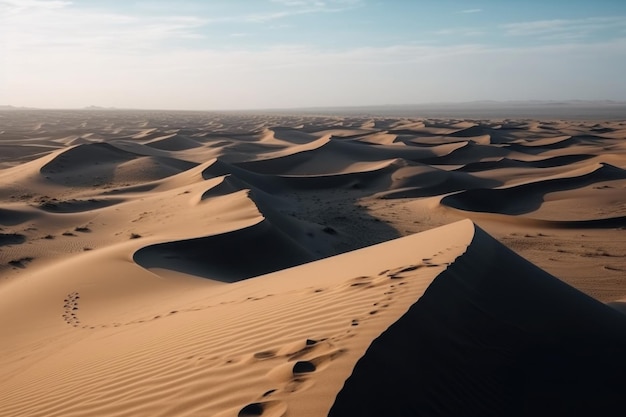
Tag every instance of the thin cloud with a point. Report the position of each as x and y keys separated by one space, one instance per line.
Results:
x=300 y=7
x=24 y=4
x=463 y=32
x=566 y=28
x=471 y=11
x=317 y=3
x=9 y=8
x=294 y=3
x=66 y=26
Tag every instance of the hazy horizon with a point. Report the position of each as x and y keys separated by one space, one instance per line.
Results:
x=281 y=54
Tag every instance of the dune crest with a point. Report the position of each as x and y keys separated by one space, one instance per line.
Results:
x=493 y=335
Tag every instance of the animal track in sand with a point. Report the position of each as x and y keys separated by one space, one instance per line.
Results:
x=70 y=316
x=70 y=306
x=397 y=275
x=264 y=409
x=21 y=263
x=299 y=361
x=393 y=281
x=367 y=282
x=264 y=355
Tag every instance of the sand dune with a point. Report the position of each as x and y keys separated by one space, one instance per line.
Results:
x=550 y=162
x=423 y=181
x=528 y=197
x=493 y=335
x=318 y=319
x=173 y=142
x=186 y=264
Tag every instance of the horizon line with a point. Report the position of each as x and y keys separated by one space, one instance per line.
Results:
x=554 y=102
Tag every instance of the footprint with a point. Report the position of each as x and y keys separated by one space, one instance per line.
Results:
x=264 y=408
x=70 y=305
x=303 y=367
x=409 y=268
x=397 y=273
x=268 y=393
x=300 y=348
x=312 y=358
x=297 y=384
x=265 y=355
x=300 y=360
x=365 y=281
x=360 y=281
x=254 y=409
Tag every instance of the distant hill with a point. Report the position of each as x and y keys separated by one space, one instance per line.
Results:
x=531 y=109
x=99 y=108
x=9 y=108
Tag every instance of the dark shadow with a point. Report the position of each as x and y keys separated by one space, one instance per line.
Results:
x=11 y=239
x=95 y=164
x=526 y=198
x=10 y=217
x=227 y=257
x=76 y=206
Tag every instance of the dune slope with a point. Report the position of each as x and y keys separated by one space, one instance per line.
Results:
x=493 y=335
x=126 y=342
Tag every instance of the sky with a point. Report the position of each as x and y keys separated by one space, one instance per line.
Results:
x=261 y=54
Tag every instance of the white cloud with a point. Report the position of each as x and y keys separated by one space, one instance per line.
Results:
x=66 y=27
x=300 y=7
x=28 y=24
x=317 y=3
x=460 y=31
x=26 y=4
x=293 y=3
x=566 y=28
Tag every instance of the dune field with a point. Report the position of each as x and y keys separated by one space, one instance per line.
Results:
x=225 y=264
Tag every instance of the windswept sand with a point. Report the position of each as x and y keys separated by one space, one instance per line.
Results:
x=194 y=264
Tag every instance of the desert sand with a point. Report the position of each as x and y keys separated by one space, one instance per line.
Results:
x=226 y=264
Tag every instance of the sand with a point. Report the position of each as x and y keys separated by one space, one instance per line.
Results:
x=225 y=264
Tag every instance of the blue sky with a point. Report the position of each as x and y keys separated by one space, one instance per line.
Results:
x=245 y=54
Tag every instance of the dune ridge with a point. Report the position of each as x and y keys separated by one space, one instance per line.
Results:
x=493 y=335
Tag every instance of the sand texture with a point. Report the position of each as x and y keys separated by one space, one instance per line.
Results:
x=205 y=264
